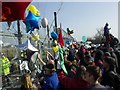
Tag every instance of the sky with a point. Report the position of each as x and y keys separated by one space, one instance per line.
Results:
x=82 y=17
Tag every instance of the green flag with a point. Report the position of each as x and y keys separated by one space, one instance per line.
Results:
x=62 y=60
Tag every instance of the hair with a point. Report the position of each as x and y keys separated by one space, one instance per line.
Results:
x=99 y=55
x=111 y=62
x=95 y=71
x=89 y=58
x=80 y=71
x=27 y=82
x=50 y=67
x=107 y=54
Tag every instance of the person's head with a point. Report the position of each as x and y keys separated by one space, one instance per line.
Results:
x=80 y=72
x=109 y=63
x=107 y=54
x=80 y=54
x=71 y=55
x=93 y=53
x=111 y=49
x=98 y=55
x=87 y=53
x=49 y=69
x=74 y=62
x=93 y=73
x=26 y=81
x=106 y=24
x=51 y=62
x=88 y=60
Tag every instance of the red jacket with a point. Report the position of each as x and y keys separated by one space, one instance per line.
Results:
x=72 y=83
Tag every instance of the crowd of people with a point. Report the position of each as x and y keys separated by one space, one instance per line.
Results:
x=91 y=68
x=87 y=68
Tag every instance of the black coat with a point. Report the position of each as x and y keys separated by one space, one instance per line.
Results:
x=108 y=79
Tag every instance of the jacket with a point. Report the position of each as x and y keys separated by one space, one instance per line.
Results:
x=51 y=82
x=72 y=83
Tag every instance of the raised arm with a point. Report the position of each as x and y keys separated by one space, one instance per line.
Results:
x=49 y=54
x=39 y=57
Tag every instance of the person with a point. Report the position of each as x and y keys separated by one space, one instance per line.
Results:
x=109 y=66
x=27 y=83
x=117 y=52
x=114 y=41
x=98 y=56
x=112 y=52
x=5 y=67
x=51 y=81
x=92 y=75
x=107 y=54
x=88 y=60
x=98 y=59
x=80 y=72
x=73 y=83
x=107 y=33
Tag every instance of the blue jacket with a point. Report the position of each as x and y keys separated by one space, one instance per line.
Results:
x=51 y=82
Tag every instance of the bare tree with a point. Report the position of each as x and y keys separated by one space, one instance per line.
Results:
x=98 y=37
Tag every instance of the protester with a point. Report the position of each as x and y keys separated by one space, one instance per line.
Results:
x=112 y=52
x=88 y=60
x=51 y=81
x=107 y=33
x=109 y=66
x=80 y=68
x=72 y=83
x=92 y=75
x=27 y=83
x=114 y=41
x=80 y=72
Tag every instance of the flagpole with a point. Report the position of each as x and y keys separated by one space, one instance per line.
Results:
x=55 y=17
x=48 y=31
x=19 y=33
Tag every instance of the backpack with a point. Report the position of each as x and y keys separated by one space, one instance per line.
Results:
x=116 y=80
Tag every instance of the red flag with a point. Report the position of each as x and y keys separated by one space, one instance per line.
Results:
x=60 y=38
x=13 y=10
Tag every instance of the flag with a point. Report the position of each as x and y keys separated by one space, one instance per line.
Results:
x=60 y=38
x=62 y=60
x=61 y=44
x=11 y=11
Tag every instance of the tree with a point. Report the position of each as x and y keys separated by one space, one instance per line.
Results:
x=98 y=38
